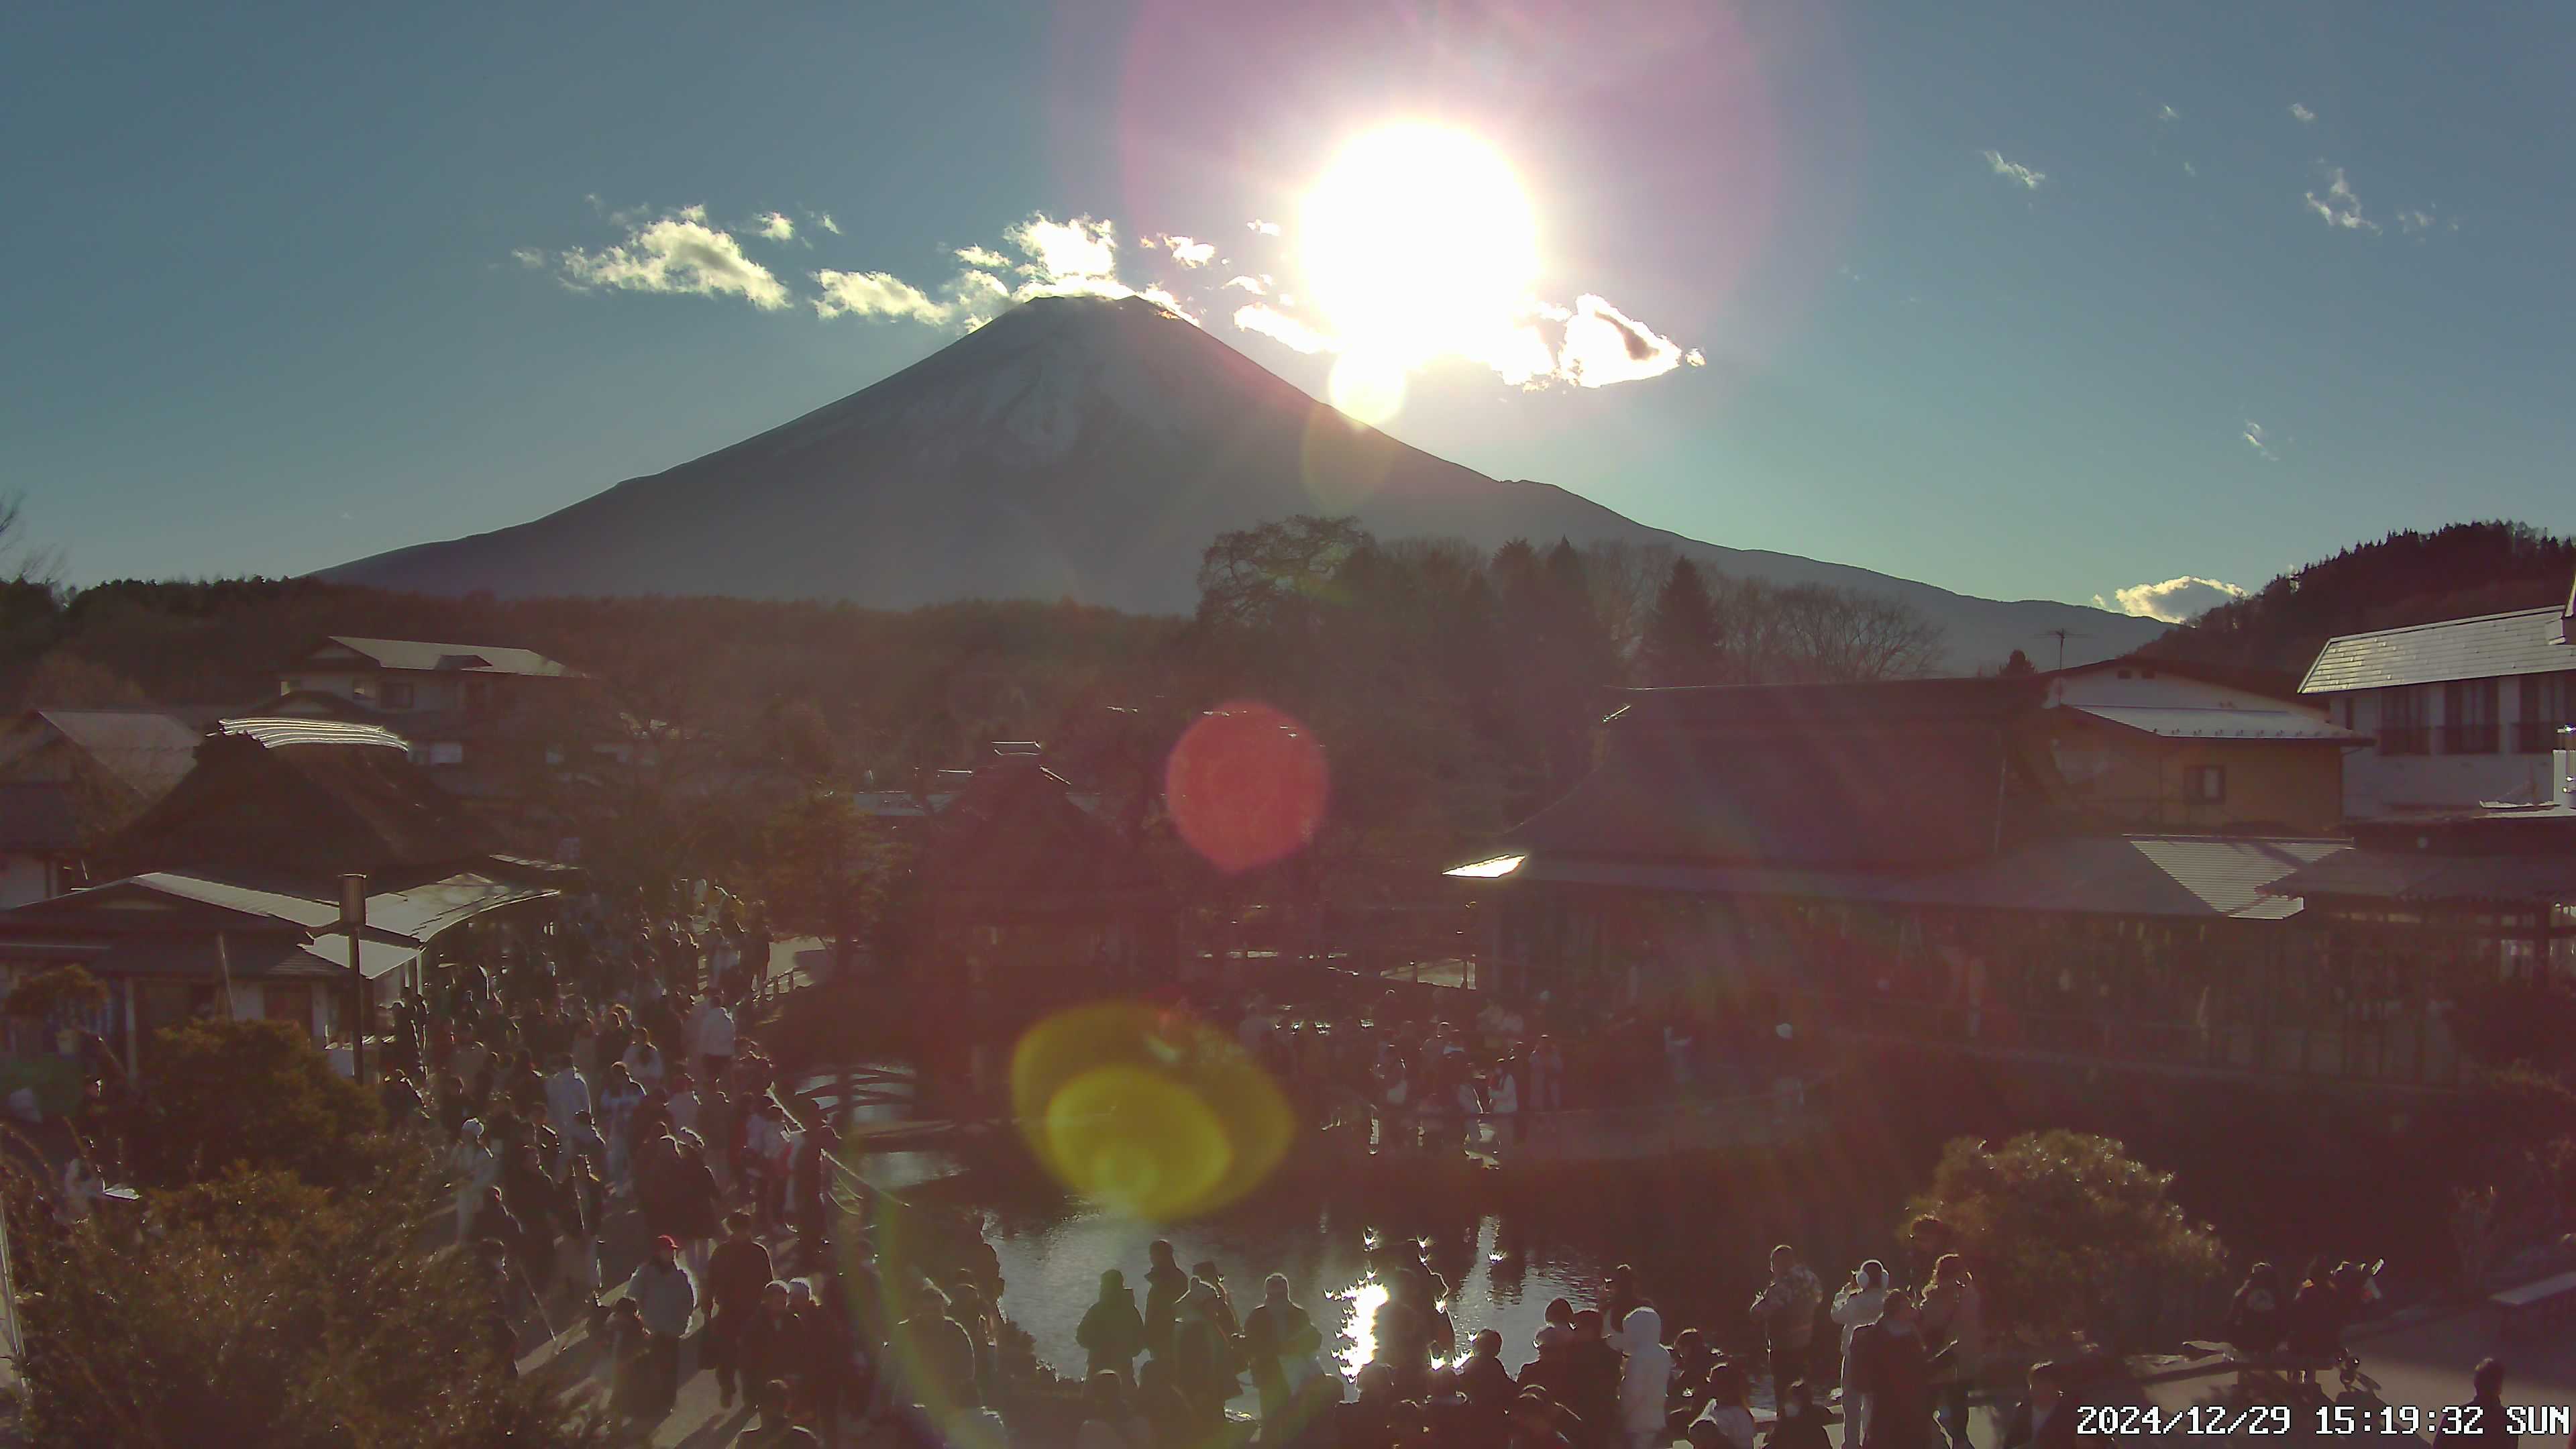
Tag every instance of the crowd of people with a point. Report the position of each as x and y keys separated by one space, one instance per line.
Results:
x=1614 y=1375
x=1438 y=1083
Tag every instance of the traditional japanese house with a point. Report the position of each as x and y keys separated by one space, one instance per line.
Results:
x=225 y=896
x=1903 y=858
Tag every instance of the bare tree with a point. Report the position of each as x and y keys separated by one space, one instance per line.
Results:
x=21 y=564
x=1623 y=579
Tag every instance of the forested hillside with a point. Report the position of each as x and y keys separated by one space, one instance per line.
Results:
x=2406 y=578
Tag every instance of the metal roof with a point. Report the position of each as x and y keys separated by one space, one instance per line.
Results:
x=2174 y=722
x=2191 y=876
x=414 y=654
x=2526 y=641
x=2130 y=875
x=2411 y=876
x=278 y=730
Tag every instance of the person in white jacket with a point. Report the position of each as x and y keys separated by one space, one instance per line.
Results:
x=1858 y=1302
x=567 y=1093
x=1645 y=1381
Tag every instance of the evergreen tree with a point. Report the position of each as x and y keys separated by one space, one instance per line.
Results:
x=1680 y=646
x=2018 y=665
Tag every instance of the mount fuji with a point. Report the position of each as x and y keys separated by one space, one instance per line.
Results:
x=1086 y=448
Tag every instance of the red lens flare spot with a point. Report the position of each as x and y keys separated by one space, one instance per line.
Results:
x=1246 y=785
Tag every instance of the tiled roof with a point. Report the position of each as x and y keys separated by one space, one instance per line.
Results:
x=2527 y=641
x=454 y=658
x=2176 y=723
x=2410 y=876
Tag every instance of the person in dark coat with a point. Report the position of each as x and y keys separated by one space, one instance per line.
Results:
x=2482 y=1419
x=1164 y=1285
x=2258 y=1316
x=1800 y=1425
x=1487 y=1383
x=765 y=1346
x=1592 y=1374
x=1112 y=1331
x=1279 y=1346
x=737 y=1273
x=2046 y=1419
x=1895 y=1363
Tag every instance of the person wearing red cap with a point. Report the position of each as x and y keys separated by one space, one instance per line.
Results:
x=665 y=1296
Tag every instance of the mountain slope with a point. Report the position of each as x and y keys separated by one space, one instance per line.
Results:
x=1085 y=448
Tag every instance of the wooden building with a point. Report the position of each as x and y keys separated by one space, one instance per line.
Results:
x=1907 y=859
x=225 y=896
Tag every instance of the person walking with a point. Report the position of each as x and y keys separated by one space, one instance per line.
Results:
x=1855 y=1304
x=1954 y=1323
x=1112 y=1332
x=477 y=1168
x=1894 y=1363
x=666 y=1296
x=1785 y=1310
x=737 y=1272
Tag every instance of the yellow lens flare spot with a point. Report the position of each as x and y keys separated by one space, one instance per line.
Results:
x=1147 y=1112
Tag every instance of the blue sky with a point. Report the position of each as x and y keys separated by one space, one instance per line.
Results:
x=2026 y=300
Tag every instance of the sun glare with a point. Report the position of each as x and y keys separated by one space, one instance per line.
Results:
x=1418 y=243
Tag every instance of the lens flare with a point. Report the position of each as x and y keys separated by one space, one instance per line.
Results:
x=1246 y=785
x=1147 y=1112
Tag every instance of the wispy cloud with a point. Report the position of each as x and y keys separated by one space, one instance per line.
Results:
x=876 y=294
x=824 y=220
x=2190 y=170
x=2167 y=113
x=2339 y=206
x=775 y=226
x=2175 y=601
x=2021 y=176
x=2302 y=114
x=2259 y=442
x=1265 y=228
x=678 y=253
x=528 y=257
x=1604 y=345
x=984 y=257
x=1254 y=285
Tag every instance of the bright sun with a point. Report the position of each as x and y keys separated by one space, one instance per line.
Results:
x=1418 y=243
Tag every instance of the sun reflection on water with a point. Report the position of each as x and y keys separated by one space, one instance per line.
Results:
x=1359 y=1325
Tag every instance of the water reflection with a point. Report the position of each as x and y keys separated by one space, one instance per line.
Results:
x=1359 y=1326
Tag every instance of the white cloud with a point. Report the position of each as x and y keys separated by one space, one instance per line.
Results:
x=2175 y=601
x=1254 y=285
x=529 y=257
x=2339 y=206
x=2419 y=219
x=1189 y=253
x=775 y=226
x=2301 y=114
x=984 y=257
x=1284 y=329
x=2256 y=439
x=2190 y=170
x=2168 y=113
x=876 y=294
x=1604 y=345
x=824 y=220
x=1065 y=251
x=679 y=253
x=2022 y=176
x=1266 y=228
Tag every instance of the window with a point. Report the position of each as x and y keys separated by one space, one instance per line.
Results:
x=2469 y=717
x=2402 y=721
x=2548 y=701
x=2209 y=783
x=397 y=695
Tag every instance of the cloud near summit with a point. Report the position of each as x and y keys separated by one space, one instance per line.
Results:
x=1590 y=344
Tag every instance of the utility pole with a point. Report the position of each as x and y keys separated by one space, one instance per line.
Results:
x=2061 y=636
x=353 y=919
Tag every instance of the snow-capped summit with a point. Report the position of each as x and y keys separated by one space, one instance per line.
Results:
x=1076 y=447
